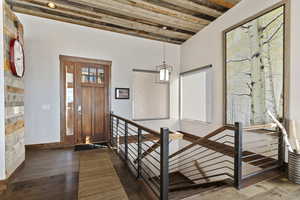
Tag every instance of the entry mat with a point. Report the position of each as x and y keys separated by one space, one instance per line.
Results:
x=84 y=147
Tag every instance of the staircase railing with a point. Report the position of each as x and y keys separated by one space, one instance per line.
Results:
x=145 y=151
x=229 y=155
x=208 y=159
x=262 y=151
x=233 y=153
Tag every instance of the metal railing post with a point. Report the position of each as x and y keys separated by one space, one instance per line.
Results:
x=238 y=153
x=117 y=136
x=164 y=164
x=111 y=130
x=126 y=141
x=139 y=153
x=281 y=149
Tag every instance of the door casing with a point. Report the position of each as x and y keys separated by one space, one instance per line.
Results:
x=107 y=65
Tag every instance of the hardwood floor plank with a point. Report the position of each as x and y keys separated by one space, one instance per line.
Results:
x=47 y=175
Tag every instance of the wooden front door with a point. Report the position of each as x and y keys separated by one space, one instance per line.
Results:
x=86 y=100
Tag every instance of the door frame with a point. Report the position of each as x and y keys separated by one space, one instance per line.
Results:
x=107 y=63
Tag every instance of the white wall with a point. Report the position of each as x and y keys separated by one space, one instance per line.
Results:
x=206 y=47
x=295 y=62
x=46 y=39
x=2 y=111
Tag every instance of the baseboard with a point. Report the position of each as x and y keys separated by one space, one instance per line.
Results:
x=54 y=145
x=4 y=183
x=48 y=146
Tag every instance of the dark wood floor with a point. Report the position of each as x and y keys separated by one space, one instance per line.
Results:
x=53 y=175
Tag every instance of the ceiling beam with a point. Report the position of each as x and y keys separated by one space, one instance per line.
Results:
x=224 y=3
x=52 y=14
x=63 y=7
x=195 y=7
x=134 y=9
x=164 y=11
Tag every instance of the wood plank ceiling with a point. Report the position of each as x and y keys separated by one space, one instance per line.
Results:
x=172 y=21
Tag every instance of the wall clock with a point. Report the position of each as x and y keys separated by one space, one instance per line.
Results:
x=17 y=63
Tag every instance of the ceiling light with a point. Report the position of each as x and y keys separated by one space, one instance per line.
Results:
x=164 y=27
x=51 y=5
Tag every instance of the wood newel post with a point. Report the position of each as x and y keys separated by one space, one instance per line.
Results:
x=126 y=141
x=164 y=164
x=139 y=153
x=238 y=153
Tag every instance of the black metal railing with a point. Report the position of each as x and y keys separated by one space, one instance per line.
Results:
x=261 y=151
x=230 y=154
x=209 y=159
x=257 y=151
x=145 y=151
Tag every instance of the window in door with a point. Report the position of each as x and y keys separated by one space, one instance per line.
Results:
x=92 y=75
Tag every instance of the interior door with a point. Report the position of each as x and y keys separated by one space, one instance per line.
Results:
x=85 y=102
x=91 y=113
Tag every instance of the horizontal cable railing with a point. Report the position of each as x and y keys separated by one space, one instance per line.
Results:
x=228 y=155
x=206 y=159
x=261 y=151
x=145 y=152
x=230 y=152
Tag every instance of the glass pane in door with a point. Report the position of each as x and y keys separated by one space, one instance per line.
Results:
x=100 y=75
x=92 y=75
x=69 y=100
x=84 y=75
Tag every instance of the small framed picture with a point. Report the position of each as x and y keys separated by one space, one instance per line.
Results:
x=122 y=93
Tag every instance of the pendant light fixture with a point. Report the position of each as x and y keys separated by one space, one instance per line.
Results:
x=164 y=69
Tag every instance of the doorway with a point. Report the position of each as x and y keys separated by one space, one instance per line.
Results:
x=85 y=100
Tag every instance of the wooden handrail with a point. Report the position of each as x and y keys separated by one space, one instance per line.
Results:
x=138 y=125
x=259 y=127
x=172 y=135
x=196 y=140
x=249 y=157
x=253 y=127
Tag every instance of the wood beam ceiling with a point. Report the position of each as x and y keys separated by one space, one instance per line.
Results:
x=225 y=3
x=190 y=5
x=152 y=19
x=149 y=12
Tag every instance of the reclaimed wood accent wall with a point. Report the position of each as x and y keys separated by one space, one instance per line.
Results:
x=14 y=98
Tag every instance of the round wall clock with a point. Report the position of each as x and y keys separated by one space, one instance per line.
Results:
x=17 y=58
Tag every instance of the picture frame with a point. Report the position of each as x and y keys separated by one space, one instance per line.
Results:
x=122 y=93
x=233 y=84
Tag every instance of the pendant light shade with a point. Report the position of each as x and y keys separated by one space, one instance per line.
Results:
x=164 y=70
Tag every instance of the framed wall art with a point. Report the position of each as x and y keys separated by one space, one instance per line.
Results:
x=254 y=68
x=122 y=93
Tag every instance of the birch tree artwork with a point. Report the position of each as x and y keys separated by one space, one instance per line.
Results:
x=254 y=69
